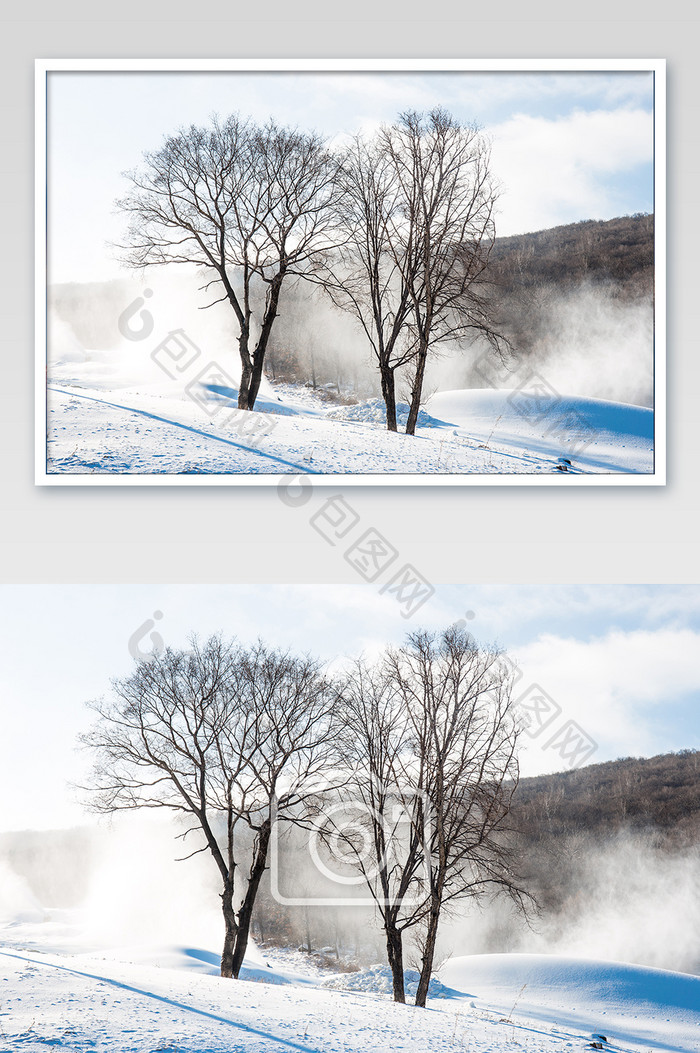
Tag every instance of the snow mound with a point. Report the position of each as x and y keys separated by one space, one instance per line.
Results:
x=377 y=980
x=507 y=410
x=264 y=403
x=191 y=959
x=255 y=968
x=630 y=1004
x=374 y=412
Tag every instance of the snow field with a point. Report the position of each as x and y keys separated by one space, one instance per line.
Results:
x=475 y=432
x=57 y=990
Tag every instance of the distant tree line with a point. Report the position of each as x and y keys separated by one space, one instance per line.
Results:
x=615 y=250
x=660 y=793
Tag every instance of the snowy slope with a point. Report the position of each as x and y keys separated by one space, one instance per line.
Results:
x=55 y=992
x=593 y=433
x=633 y=1006
x=154 y=431
x=162 y=407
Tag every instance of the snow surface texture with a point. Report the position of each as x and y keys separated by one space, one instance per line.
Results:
x=58 y=993
x=105 y=417
x=632 y=1005
x=378 y=980
x=374 y=412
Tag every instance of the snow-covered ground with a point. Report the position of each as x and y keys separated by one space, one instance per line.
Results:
x=101 y=422
x=57 y=992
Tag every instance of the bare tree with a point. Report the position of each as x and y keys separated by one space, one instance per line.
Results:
x=370 y=276
x=249 y=205
x=227 y=737
x=448 y=193
x=418 y=202
x=379 y=829
x=431 y=737
x=465 y=732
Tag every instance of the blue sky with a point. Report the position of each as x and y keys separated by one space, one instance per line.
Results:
x=566 y=145
x=620 y=661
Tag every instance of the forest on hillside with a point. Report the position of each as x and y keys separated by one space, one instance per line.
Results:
x=657 y=793
x=616 y=250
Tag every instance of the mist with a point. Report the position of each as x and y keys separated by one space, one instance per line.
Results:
x=141 y=895
x=106 y=333
x=624 y=898
x=586 y=340
x=311 y=343
x=627 y=898
x=17 y=901
x=125 y=884
x=595 y=344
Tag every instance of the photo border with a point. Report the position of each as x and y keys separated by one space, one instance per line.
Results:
x=43 y=67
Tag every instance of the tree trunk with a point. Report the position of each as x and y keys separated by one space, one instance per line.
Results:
x=261 y=926
x=265 y=330
x=254 y=386
x=389 y=396
x=245 y=913
x=394 y=950
x=428 y=952
x=230 y=930
x=417 y=390
x=246 y=370
x=308 y=930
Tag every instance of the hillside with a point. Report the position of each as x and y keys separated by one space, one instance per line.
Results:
x=611 y=854
x=581 y=294
x=536 y=280
x=616 y=250
x=659 y=793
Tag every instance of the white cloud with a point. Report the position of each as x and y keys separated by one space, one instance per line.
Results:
x=556 y=171
x=615 y=686
x=482 y=92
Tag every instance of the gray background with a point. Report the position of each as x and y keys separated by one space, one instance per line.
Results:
x=478 y=534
